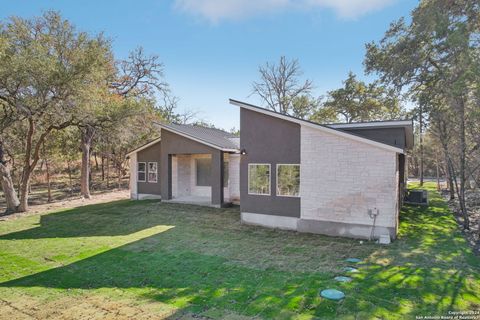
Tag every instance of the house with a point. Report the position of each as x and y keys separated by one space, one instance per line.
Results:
x=336 y=179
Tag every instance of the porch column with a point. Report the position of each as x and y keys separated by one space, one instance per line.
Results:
x=166 y=176
x=217 y=178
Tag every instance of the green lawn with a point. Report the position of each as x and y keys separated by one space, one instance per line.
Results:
x=130 y=259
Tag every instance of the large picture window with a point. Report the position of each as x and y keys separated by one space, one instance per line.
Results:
x=204 y=171
x=288 y=180
x=152 y=172
x=141 y=171
x=259 y=179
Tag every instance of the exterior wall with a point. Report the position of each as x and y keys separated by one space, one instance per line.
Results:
x=133 y=176
x=341 y=179
x=268 y=140
x=150 y=154
x=392 y=136
x=234 y=178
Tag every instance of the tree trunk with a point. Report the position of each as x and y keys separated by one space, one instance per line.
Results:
x=108 y=170
x=87 y=135
x=49 y=188
x=24 y=190
x=96 y=160
x=103 y=167
x=463 y=149
x=421 y=143
x=8 y=188
x=438 y=171
x=70 y=183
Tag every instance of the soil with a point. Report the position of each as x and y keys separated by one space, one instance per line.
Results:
x=72 y=202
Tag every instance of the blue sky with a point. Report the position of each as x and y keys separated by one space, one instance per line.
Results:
x=212 y=48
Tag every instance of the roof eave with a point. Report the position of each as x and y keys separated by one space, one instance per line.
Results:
x=316 y=126
x=188 y=136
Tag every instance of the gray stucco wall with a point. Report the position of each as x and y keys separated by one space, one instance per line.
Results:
x=392 y=136
x=273 y=141
x=150 y=154
x=175 y=144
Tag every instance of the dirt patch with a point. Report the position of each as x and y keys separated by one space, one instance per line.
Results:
x=83 y=307
x=117 y=194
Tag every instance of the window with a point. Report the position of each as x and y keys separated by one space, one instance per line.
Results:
x=142 y=168
x=225 y=174
x=204 y=170
x=259 y=179
x=152 y=172
x=288 y=180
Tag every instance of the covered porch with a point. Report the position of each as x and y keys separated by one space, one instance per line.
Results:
x=194 y=178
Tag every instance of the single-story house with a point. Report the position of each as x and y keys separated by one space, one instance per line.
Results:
x=289 y=173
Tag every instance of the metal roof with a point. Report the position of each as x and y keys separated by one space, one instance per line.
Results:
x=216 y=138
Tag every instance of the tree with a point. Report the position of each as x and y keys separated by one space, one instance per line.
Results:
x=137 y=77
x=437 y=51
x=45 y=67
x=7 y=183
x=280 y=86
x=358 y=101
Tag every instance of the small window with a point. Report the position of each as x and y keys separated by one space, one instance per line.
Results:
x=259 y=179
x=204 y=170
x=225 y=174
x=288 y=180
x=142 y=168
x=152 y=172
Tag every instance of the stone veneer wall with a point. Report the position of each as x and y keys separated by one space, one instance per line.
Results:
x=341 y=179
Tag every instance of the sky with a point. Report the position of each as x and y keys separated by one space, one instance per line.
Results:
x=211 y=49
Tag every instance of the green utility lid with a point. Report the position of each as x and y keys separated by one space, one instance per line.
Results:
x=332 y=294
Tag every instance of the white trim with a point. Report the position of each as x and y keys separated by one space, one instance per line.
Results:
x=269 y=179
x=376 y=124
x=156 y=172
x=270 y=221
x=145 y=172
x=318 y=127
x=145 y=146
x=163 y=127
x=276 y=178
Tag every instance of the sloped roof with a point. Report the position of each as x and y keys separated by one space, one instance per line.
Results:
x=216 y=138
x=326 y=128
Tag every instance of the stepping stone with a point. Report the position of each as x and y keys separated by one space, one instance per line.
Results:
x=343 y=279
x=353 y=260
x=350 y=269
x=332 y=294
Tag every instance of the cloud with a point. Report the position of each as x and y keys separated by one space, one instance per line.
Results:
x=218 y=10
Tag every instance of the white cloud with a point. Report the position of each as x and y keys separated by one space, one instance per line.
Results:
x=218 y=10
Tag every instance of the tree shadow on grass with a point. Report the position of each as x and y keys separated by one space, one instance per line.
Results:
x=429 y=270
x=114 y=218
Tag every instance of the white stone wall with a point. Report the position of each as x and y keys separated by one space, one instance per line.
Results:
x=133 y=176
x=183 y=175
x=234 y=177
x=340 y=179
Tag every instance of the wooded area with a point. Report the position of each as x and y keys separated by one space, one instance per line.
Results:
x=66 y=101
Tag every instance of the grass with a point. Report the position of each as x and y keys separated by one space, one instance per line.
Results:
x=130 y=259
